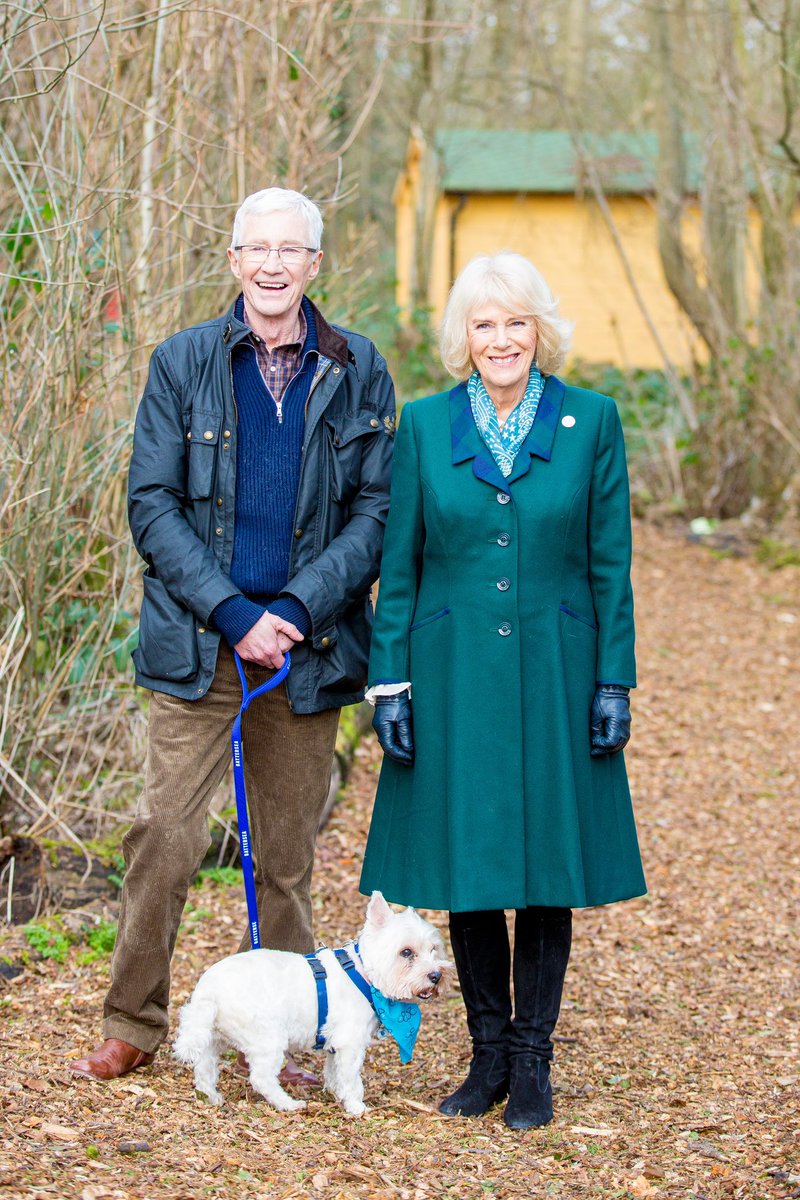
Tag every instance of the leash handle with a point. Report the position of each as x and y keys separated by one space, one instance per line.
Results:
x=237 y=753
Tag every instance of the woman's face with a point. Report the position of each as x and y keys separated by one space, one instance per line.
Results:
x=502 y=345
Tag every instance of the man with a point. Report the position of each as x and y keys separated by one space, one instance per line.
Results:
x=258 y=493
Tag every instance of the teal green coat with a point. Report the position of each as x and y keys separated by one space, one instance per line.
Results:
x=504 y=602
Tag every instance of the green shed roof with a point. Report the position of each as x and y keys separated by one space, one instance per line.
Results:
x=493 y=160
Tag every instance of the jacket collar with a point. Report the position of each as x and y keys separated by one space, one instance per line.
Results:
x=331 y=343
x=467 y=443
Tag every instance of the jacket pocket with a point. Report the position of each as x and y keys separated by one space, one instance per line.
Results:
x=204 y=431
x=443 y=612
x=570 y=612
x=345 y=435
x=167 y=639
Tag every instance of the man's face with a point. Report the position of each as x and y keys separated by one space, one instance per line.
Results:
x=273 y=288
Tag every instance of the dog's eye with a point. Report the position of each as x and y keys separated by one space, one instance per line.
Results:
x=407 y=953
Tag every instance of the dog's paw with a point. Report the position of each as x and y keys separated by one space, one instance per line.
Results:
x=215 y=1098
x=354 y=1109
x=289 y=1105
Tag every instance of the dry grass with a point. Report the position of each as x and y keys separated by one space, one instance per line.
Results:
x=678 y=1073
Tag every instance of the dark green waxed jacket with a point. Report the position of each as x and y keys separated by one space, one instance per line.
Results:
x=182 y=487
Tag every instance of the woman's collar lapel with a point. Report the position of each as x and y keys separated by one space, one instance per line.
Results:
x=467 y=443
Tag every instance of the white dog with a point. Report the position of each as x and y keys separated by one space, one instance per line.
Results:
x=265 y=1004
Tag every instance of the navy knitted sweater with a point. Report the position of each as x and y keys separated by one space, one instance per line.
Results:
x=268 y=454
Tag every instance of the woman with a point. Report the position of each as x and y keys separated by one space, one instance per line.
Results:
x=505 y=620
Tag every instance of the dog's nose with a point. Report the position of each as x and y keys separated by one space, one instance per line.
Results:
x=435 y=976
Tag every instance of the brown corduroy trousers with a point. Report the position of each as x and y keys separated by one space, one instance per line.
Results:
x=288 y=761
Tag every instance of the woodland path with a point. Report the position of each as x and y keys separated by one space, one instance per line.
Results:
x=678 y=1072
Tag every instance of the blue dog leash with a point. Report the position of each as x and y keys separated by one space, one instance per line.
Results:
x=241 y=793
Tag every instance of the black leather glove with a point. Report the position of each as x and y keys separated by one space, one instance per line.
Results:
x=611 y=719
x=392 y=723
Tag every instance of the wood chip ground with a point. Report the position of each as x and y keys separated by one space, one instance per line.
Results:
x=677 y=1073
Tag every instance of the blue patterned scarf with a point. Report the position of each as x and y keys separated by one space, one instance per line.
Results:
x=504 y=443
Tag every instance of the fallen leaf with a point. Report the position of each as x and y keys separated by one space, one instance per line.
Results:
x=36 y=1084
x=588 y=1131
x=641 y=1188
x=60 y=1133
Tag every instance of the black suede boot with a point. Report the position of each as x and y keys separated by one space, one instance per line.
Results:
x=482 y=956
x=542 y=941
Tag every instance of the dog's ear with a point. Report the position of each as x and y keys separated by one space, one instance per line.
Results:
x=378 y=911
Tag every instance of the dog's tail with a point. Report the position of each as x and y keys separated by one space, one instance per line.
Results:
x=196 y=1038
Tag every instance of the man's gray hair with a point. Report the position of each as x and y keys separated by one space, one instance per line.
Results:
x=275 y=199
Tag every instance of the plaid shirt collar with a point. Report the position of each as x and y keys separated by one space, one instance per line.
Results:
x=279 y=365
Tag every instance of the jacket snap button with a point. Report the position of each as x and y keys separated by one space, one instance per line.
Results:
x=326 y=641
x=226 y=445
x=504 y=540
x=504 y=630
x=503 y=498
x=298 y=533
x=189 y=436
x=208 y=435
x=201 y=629
x=503 y=585
x=337 y=441
x=219 y=501
x=374 y=424
x=336 y=370
x=227 y=433
x=218 y=531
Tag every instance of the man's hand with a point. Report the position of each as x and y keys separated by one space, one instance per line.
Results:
x=267 y=642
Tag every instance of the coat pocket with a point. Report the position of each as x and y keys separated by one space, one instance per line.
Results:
x=203 y=439
x=570 y=612
x=346 y=436
x=443 y=612
x=167 y=639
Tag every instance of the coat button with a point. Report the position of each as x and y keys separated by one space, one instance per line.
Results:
x=219 y=501
x=227 y=433
x=503 y=585
x=503 y=498
x=326 y=641
x=201 y=629
x=208 y=435
x=505 y=629
x=218 y=531
x=298 y=533
x=189 y=436
x=504 y=540
x=336 y=370
x=374 y=423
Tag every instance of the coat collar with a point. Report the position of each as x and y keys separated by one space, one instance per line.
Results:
x=467 y=443
x=332 y=344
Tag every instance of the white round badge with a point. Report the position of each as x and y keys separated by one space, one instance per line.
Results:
x=568 y=421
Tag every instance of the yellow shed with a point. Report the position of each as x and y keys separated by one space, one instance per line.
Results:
x=479 y=191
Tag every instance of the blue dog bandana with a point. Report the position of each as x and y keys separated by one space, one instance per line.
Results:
x=400 y=1018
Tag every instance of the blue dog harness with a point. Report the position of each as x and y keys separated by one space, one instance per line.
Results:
x=400 y=1019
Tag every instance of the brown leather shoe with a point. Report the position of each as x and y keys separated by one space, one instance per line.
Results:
x=290 y=1075
x=293 y=1076
x=112 y=1059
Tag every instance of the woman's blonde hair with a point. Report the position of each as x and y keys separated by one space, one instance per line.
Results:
x=511 y=281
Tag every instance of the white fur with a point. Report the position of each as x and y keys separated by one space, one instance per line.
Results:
x=264 y=1003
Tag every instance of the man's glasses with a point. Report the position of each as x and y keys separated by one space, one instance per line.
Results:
x=288 y=255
